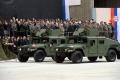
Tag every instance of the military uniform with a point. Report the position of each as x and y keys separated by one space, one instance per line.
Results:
x=101 y=30
x=110 y=31
x=87 y=29
x=105 y=28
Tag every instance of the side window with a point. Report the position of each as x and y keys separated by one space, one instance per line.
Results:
x=92 y=42
x=82 y=40
x=101 y=41
x=62 y=41
x=54 y=41
x=44 y=40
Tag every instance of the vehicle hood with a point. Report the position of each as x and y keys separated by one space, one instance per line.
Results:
x=35 y=46
x=71 y=46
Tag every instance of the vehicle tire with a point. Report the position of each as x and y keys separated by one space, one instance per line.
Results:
x=77 y=57
x=59 y=59
x=92 y=59
x=111 y=56
x=22 y=58
x=39 y=56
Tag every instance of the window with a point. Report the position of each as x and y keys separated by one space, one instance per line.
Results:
x=54 y=41
x=92 y=42
x=82 y=40
x=101 y=41
x=44 y=40
x=35 y=40
x=62 y=41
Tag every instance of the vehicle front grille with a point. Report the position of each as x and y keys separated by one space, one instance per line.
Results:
x=24 y=49
x=61 y=50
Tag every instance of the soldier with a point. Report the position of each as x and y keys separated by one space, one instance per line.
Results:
x=110 y=30
x=105 y=28
x=100 y=29
x=87 y=27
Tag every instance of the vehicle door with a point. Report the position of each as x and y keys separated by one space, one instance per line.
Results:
x=101 y=46
x=92 y=47
x=50 y=48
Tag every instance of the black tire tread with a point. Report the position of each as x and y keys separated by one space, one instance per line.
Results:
x=36 y=58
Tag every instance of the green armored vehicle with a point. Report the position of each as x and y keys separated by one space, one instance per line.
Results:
x=82 y=45
x=42 y=46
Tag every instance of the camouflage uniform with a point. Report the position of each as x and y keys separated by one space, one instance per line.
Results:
x=101 y=30
x=87 y=28
x=105 y=29
x=110 y=31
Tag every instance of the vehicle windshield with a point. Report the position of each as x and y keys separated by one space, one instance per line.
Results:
x=54 y=41
x=35 y=40
x=39 y=40
x=75 y=40
x=62 y=41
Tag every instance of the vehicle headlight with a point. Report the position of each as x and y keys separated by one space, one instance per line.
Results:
x=6 y=43
x=33 y=45
x=14 y=46
x=31 y=49
x=28 y=49
x=66 y=50
x=56 y=49
x=19 y=49
x=71 y=46
x=70 y=50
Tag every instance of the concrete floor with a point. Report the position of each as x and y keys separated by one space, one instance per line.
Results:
x=49 y=70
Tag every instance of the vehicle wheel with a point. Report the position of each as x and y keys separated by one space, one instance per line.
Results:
x=77 y=57
x=111 y=56
x=59 y=59
x=22 y=58
x=39 y=56
x=92 y=59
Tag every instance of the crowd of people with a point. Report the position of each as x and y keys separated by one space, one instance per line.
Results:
x=19 y=29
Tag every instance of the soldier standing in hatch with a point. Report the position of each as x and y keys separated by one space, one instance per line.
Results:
x=100 y=29
x=87 y=27
x=105 y=28
x=110 y=29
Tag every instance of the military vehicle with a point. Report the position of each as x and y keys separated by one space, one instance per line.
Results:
x=42 y=46
x=90 y=45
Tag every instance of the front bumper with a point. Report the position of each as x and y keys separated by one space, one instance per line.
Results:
x=27 y=51
x=65 y=54
x=67 y=50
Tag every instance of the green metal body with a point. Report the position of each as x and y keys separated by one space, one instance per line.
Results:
x=93 y=46
x=46 y=41
x=90 y=45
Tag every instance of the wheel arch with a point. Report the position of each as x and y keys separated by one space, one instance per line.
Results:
x=79 y=49
x=42 y=50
